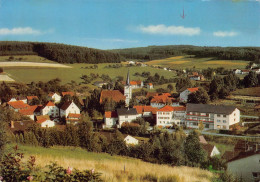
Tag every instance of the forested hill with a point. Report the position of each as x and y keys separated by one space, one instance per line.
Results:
x=59 y=52
x=159 y=52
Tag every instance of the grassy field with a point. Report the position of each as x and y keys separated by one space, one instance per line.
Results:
x=182 y=62
x=253 y=91
x=28 y=58
x=112 y=167
x=28 y=75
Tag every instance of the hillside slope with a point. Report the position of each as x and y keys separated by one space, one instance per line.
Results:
x=60 y=53
x=112 y=167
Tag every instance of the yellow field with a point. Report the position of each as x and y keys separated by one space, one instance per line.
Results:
x=179 y=62
x=160 y=61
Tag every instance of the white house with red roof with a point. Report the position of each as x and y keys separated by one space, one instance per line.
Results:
x=169 y=115
x=111 y=119
x=184 y=95
x=56 y=98
x=29 y=111
x=45 y=121
x=17 y=105
x=69 y=107
x=149 y=86
x=162 y=100
x=73 y=118
x=50 y=109
x=146 y=111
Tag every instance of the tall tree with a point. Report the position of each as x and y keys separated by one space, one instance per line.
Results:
x=199 y=97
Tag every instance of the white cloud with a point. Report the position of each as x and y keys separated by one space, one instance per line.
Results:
x=225 y=34
x=169 y=30
x=19 y=31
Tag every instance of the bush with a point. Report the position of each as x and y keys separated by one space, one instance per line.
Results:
x=13 y=169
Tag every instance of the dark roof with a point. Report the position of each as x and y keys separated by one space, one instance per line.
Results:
x=126 y=111
x=242 y=155
x=206 y=108
x=208 y=148
x=66 y=105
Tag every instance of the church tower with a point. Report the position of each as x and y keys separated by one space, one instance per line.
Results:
x=127 y=90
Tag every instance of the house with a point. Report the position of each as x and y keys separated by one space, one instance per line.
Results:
x=126 y=115
x=211 y=150
x=129 y=140
x=196 y=76
x=30 y=98
x=146 y=111
x=67 y=93
x=111 y=119
x=237 y=71
x=149 y=86
x=53 y=96
x=50 y=109
x=135 y=84
x=169 y=115
x=100 y=83
x=45 y=121
x=245 y=166
x=73 y=118
x=131 y=62
x=12 y=99
x=243 y=72
x=67 y=108
x=29 y=111
x=256 y=70
x=218 y=117
x=17 y=105
x=22 y=98
x=184 y=94
x=160 y=101
x=114 y=95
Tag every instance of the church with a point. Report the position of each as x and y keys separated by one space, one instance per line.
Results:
x=128 y=90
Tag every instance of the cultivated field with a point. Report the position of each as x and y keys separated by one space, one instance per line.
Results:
x=27 y=75
x=182 y=62
x=112 y=167
x=253 y=91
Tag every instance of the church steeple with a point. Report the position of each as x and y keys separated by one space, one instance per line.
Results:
x=128 y=79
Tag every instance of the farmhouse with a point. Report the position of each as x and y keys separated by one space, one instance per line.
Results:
x=73 y=118
x=169 y=115
x=213 y=116
x=53 y=96
x=29 y=111
x=50 y=109
x=184 y=95
x=146 y=111
x=45 y=121
x=126 y=115
x=160 y=101
x=67 y=108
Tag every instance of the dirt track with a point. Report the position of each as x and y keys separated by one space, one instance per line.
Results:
x=32 y=64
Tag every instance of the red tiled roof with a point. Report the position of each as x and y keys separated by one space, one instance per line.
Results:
x=162 y=99
x=72 y=115
x=51 y=94
x=150 y=84
x=111 y=114
x=142 y=109
x=193 y=89
x=28 y=111
x=115 y=95
x=138 y=82
x=50 y=103
x=31 y=97
x=18 y=104
x=67 y=93
x=42 y=118
x=168 y=108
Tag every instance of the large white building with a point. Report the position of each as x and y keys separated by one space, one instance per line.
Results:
x=126 y=115
x=169 y=115
x=213 y=116
x=50 y=109
x=69 y=107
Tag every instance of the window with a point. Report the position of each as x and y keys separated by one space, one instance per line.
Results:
x=224 y=116
x=254 y=174
x=224 y=121
x=218 y=121
x=218 y=115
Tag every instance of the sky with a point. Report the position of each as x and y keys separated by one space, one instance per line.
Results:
x=111 y=24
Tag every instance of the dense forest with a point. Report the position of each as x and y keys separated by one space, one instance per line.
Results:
x=159 y=52
x=59 y=52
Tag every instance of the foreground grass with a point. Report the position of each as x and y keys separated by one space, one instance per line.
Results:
x=183 y=62
x=112 y=167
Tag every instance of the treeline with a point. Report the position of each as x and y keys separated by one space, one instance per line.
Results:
x=60 y=53
x=159 y=52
